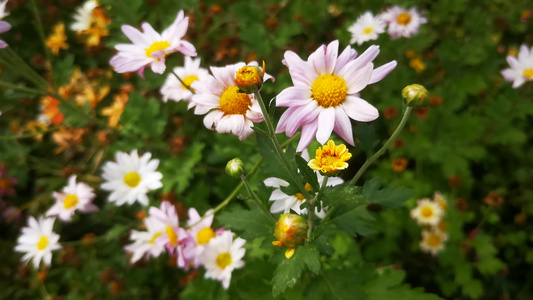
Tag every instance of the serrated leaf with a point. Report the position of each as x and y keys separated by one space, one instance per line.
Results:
x=387 y=285
x=248 y=223
x=308 y=174
x=387 y=198
x=355 y=222
x=289 y=271
x=343 y=194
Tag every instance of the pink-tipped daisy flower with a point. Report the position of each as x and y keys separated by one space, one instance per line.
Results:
x=4 y=26
x=402 y=22
x=150 y=48
x=521 y=69
x=325 y=95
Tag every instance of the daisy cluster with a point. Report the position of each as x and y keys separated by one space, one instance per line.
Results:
x=430 y=213
x=397 y=21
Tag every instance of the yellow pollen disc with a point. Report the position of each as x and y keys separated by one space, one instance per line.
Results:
x=528 y=73
x=172 y=236
x=308 y=187
x=156 y=235
x=426 y=212
x=299 y=196
x=434 y=240
x=368 y=30
x=132 y=179
x=403 y=19
x=329 y=90
x=188 y=81
x=224 y=260
x=42 y=243
x=70 y=201
x=156 y=46
x=205 y=235
x=233 y=103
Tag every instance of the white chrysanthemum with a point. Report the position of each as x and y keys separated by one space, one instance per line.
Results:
x=433 y=240
x=439 y=199
x=38 y=241
x=75 y=196
x=201 y=233
x=131 y=177
x=521 y=69
x=427 y=212
x=366 y=28
x=144 y=241
x=402 y=22
x=174 y=90
x=84 y=16
x=221 y=256
x=226 y=109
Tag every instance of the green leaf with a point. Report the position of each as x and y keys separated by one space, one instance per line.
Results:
x=343 y=194
x=142 y=117
x=274 y=164
x=365 y=137
x=387 y=285
x=338 y=284
x=289 y=270
x=355 y=222
x=308 y=174
x=63 y=70
x=387 y=198
x=75 y=116
x=178 y=172
x=473 y=289
x=249 y=224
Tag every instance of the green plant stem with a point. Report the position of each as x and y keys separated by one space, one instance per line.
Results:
x=40 y=30
x=256 y=199
x=311 y=208
x=272 y=135
x=380 y=152
x=183 y=83
x=12 y=86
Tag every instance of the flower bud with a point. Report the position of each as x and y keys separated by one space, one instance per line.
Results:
x=235 y=167
x=250 y=79
x=291 y=231
x=415 y=95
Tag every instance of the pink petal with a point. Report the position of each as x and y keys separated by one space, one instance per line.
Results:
x=346 y=56
x=326 y=122
x=134 y=35
x=308 y=133
x=302 y=73
x=294 y=96
x=379 y=73
x=359 y=79
x=360 y=110
x=343 y=126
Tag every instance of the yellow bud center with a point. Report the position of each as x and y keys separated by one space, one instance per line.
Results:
x=434 y=240
x=188 y=81
x=224 y=260
x=299 y=196
x=368 y=30
x=205 y=235
x=70 y=201
x=329 y=90
x=426 y=212
x=403 y=19
x=172 y=236
x=155 y=236
x=132 y=179
x=233 y=103
x=156 y=46
x=528 y=73
x=42 y=243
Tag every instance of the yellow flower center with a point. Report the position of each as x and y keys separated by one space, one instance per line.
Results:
x=434 y=240
x=70 y=201
x=172 y=235
x=329 y=90
x=223 y=260
x=132 y=179
x=156 y=235
x=42 y=243
x=368 y=30
x=299 y=196
x=205 y=235
x=330 y=158
x=426 y=212
x=403 y=19
x=188 y=81
x=156 y=46
x=233 y=103
x=528 y=73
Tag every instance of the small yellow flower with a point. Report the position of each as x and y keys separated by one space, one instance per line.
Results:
x=417 y=64
x=114 y=111
x=58 y=39
x=330 y=158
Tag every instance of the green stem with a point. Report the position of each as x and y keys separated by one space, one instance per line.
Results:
x=40 y=31
x=380 y=152
x=311 y=208
x=281 y=154
x=256 y=199
x=183 y=83
x=12 y=86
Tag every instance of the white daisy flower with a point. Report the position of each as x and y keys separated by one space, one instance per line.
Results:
x=174 y=90
x=150 y=48
x=402 y=22
x=226 y=109
x=131 y=177
x=433 y=240
x=201 y=233
x=366 y=28
x=144 y=241
x=439 y=198
x=221 y=256
x=38 y=241
x=427 y=212
x=521 y=69
x=84 y=16
x=75 y=196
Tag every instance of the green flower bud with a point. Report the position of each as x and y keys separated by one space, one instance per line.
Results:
x=415 y=95
x=235 y=167
x=291 y=231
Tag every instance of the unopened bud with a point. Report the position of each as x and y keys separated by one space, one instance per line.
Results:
x=415 y=95
x=235 y=167
x=291 y=231
x=249 y=79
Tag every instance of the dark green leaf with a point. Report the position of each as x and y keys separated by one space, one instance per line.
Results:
x=249 y=224
x=289 y=271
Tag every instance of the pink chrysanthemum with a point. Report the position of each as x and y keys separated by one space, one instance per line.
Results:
x=326 y=90
x=150 y=48
x=227 y=110
x=402 y=22
x=521 y=69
